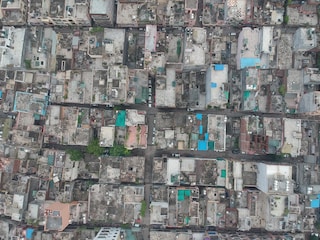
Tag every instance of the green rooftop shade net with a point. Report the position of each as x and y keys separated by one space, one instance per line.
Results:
x=211 y=145
x=186 y=220
x=121 y=119
x=174 y=178
x=50 y=160
x=246 y=95
x=183 y=194
x=223 y=173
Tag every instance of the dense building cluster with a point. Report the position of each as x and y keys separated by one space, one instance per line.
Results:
x=159 y=119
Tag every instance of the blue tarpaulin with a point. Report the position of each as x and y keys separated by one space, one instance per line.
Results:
x=200 y=129
x=213 y=85
x=249 y=62
x=202 y=145
x=199 y=116
x=29 y=233
x=315 y=203
x=219 y=67
x=206 y=136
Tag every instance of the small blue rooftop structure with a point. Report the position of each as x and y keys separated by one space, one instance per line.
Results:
x=202 y=145
x=315 y=203
x=29 y=233
x=219 y=67
x=199 y=116
x=206 y=136
x=0 y=94
x=249 y=62
x=200 y=129
x=213 y=85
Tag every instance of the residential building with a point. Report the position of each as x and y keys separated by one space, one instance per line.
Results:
x=310 y=103
x=294 y=88
x=14 y=13
x=57 y=215
x=249 y=50
x=292 y=133
x=59 y=13
x=235 y=11
x=106 y=233
x=12 y=42
x=166 y=89
x=107 y=135
x=217 y=91
x=102 y=12
x=274 y=178
x=304 y=39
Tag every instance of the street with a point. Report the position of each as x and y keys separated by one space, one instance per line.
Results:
x=227 y=112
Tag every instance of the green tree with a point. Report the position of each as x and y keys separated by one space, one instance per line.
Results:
x=119 y=150
x=276 y=157
x=126 y=226
x=318 y=58
x=94 y=148
x=27 y=63
x=143 y=208
x=286 y=19
x=75 y=155
x=286 y=212
x=317 y=225
x=282 y=90
x=96 y=30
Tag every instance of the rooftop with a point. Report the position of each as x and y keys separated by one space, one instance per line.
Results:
x=108 y=43
x=248 y=54
x=211 y=172
x=217 y=77
x=136 y=136
x=274 y=178
x=292 y=137
x=217 y=131
x=132 y=170
x=195 y=47
x=58 y=11
x=57 y=216
x=7 y=4
x=294 y=81
x=110 y=170
x=183 y=206
x=191 y=5
x=151 y=38
x=158 y=212
x=309 y=102
x=305 y=39
x=108 y=234
x=205 y=172
x=235 y=10
x=165 y=89
x=30 y=103
x=157 y=235
x=266 y=39
x=12 y=46
x=119 y=204
x=105 y=202
x=107 y=135
x=284 y=51
x=127 y=14
x=101 y=6
x=159 y=171
x=135 y=117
